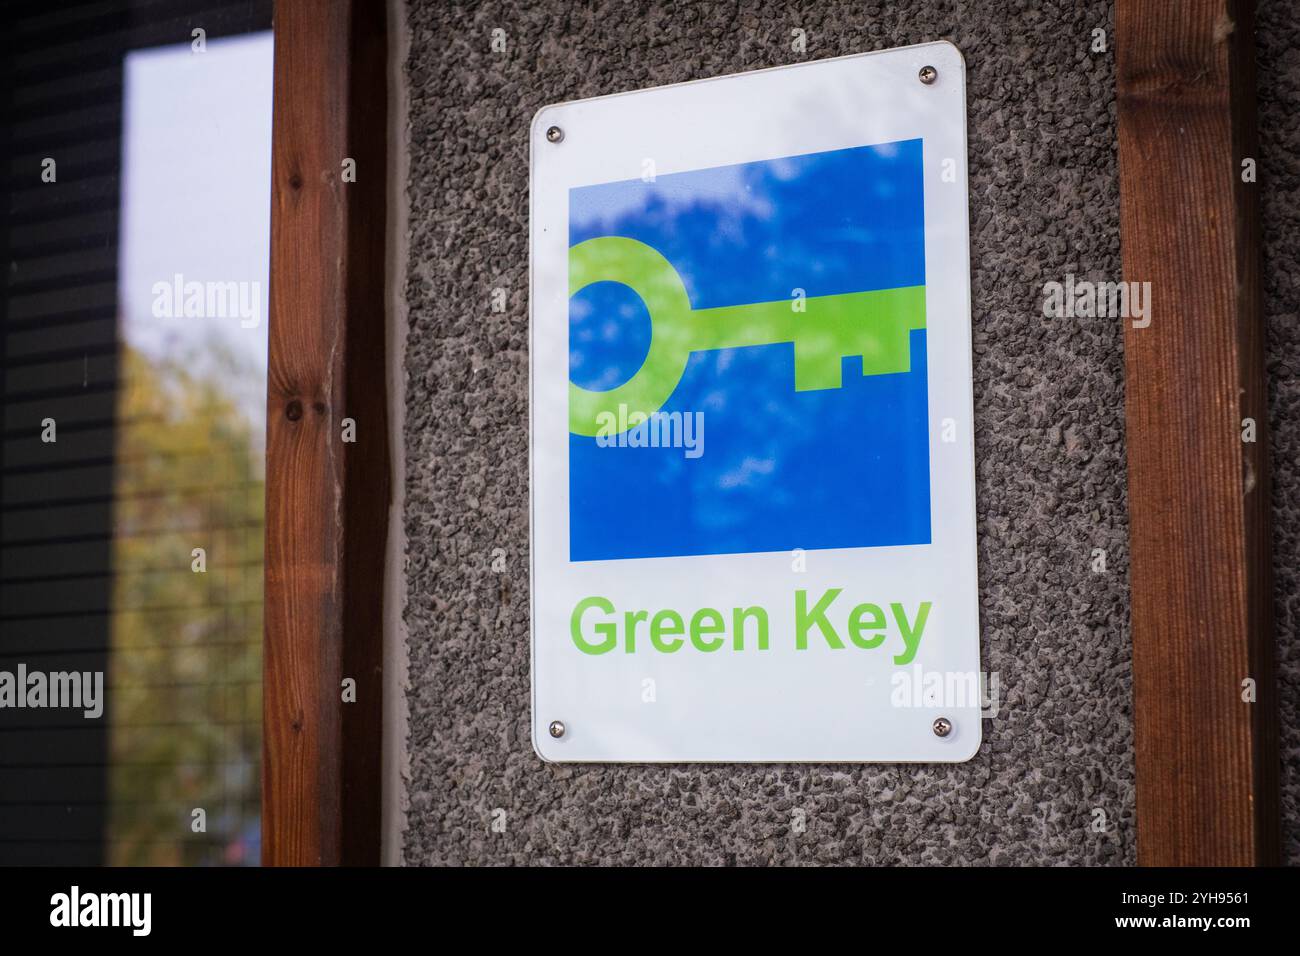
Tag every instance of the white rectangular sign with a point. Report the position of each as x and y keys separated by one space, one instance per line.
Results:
x=752 y=470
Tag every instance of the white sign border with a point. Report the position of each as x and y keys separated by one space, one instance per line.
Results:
x=605 y=140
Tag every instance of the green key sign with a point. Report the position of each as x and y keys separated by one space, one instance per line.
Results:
x=751 y=460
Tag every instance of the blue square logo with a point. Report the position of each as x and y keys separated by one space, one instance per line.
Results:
x=747 y=358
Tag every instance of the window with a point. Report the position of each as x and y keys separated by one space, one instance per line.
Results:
x=133 y=315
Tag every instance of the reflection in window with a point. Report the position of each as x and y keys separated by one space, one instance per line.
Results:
x=133 y=375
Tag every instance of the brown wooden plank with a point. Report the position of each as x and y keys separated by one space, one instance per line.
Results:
x=327 y=500
x=1199 y=501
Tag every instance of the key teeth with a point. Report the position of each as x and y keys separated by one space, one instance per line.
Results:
x=817 y=376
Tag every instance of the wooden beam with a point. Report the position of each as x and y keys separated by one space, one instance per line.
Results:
x=326 y=498
x=1199 y=501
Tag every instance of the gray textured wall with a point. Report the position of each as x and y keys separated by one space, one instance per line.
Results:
x=1049 y=449
x=1278 y=56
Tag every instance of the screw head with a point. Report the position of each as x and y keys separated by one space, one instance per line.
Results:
x=942 y=726
x=554 y=134
x=557 y=729
x=928 y=75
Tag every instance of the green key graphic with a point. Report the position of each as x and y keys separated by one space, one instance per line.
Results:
x=873 y=325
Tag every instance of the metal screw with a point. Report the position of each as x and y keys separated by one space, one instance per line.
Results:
x=557 y=728
x=942 y=726
x=554 y=135
x=928 y=75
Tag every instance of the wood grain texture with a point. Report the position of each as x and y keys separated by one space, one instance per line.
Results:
x=326 y=499
x=1199 y=498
